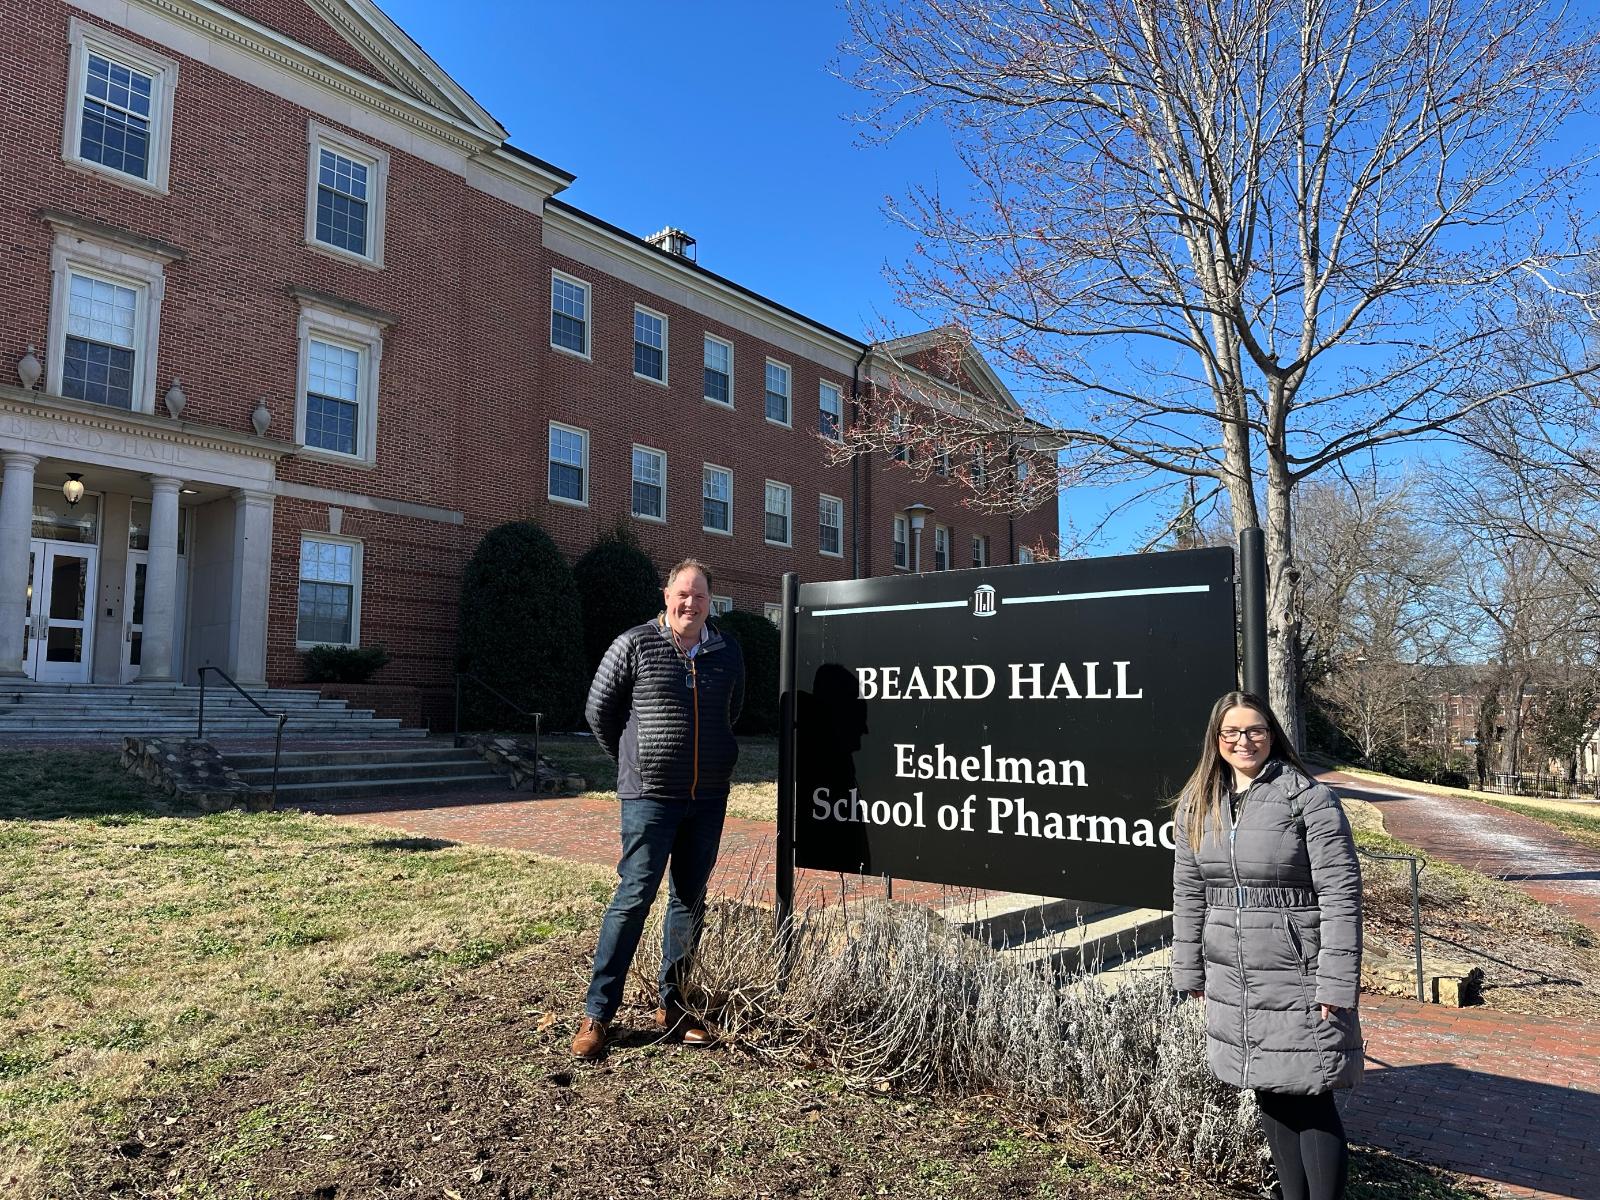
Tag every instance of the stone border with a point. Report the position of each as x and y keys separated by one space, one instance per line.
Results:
x=516 y=757
x=191 y=771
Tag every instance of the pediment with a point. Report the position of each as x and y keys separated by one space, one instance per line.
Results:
x=947 y=354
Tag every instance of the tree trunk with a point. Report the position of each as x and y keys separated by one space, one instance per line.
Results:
x=1283 y=608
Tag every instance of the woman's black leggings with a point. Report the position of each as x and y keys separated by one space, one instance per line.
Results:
x=1307 y=1142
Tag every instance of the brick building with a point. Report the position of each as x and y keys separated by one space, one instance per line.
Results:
x=301 y=324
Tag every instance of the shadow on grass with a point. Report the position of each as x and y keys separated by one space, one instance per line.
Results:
x=49 y=784
x=1377 y=1175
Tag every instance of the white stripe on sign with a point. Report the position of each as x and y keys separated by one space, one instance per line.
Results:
x=888 y=608
x=1161 y=591
x=850 y=612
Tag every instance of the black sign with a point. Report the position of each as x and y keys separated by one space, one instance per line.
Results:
x=1019 y=728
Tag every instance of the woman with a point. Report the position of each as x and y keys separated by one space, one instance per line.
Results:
x=1267 y=931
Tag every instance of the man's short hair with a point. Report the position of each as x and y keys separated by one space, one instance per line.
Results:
x=689 y=564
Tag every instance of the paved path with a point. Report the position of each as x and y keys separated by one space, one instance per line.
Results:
x=1513 y=1100
x=1508 y=845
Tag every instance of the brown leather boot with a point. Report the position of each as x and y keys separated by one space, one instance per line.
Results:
x=590 y=1043
x=679 y=1025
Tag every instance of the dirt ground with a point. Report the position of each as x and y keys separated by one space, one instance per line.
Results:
x=467 y=1092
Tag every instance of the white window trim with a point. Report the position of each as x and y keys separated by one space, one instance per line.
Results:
x=788 y=516
x=356 y=572
x=588 y=316
x=666 y=341
x=980 y=542
x=937 y=530
x=788 y=396
x=728 y=471
x=838 y=393
x=83 y=38
x=721 y=605
x=711 y=337
x=902 y=537
x=119 y=265
x=319 y=135
x=773 y=612
x=1024 y=554
x=583 y=435
x=662 y=454
x=364 y=337
x=839 y=553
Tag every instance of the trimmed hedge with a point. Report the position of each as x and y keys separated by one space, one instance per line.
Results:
x=619 y=588
x=343 y=664
x=758 y=638
x=521 y=631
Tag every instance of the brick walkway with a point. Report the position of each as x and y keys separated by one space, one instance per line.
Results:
x=1512 y=1100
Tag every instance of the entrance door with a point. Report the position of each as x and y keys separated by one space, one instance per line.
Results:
x=133 y=614
x=60 y=596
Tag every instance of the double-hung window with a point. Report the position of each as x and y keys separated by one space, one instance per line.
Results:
x=941 y=548
x=336 y=404
x=649 y=345
x=777 y=393
x=980 y=550
x=649 y=484
x=897 y=429
x=721 y=605
x=330 y=592
x=779 y=499
x=346 y=181
x=105 y=315
x=569 y=464
x=830 y=411
x=980 y=471
x=1022 y=470
x=119 y=119
x=569 y=314
x=1024 y=555
x=902 y=543
x=941 y=462
x=716 y=499
x=719 y=371
x=830 y=516
x=772 y=612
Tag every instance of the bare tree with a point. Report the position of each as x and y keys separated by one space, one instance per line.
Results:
x=1232 y=242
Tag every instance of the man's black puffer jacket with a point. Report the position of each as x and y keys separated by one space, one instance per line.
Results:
x=671 y=741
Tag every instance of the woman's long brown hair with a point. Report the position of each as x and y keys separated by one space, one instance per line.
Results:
x=1200 y=802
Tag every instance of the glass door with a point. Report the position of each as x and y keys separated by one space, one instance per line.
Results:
x=60 y=595
x=133 y=614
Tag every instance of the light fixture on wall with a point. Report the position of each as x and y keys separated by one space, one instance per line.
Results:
x=72 y=489
x=919 y=514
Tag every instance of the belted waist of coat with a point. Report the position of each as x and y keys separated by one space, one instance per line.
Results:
x=1261 y=897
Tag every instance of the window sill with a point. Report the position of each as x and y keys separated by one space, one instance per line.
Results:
x=648 y=520
x=99 y=171
x=345 y=256
x=723 y=404
x=563 y=500
x=650 y=379
x=781 y=424
x=831 y=553
x=779 y=545
x=571 y=353
x=299 y=645
x=727 y=533
x=313 y=454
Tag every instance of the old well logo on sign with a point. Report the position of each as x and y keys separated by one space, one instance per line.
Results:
x=1018 y=728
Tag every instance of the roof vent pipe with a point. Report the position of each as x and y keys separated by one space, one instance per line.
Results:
x=673 y=241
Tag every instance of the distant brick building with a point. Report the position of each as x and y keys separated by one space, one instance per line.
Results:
x=302 y=324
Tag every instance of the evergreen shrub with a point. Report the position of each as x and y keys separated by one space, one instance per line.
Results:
x=619 y=588
x=758 y=638
x=521 y=632
x=343 y=664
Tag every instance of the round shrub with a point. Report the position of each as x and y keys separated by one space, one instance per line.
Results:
x=521 y=631
x=758 y=638
x=618 y=586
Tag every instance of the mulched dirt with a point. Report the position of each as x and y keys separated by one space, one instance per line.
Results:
x=468 y=1092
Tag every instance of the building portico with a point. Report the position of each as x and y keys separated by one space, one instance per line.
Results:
x=160 y=567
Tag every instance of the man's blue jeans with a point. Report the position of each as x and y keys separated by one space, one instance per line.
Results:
x=677 y=838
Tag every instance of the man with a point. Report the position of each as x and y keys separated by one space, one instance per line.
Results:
x=663 y=704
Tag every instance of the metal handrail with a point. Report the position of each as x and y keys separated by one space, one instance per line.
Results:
x=538 y=718
x=283 y=718
x=1418 y=864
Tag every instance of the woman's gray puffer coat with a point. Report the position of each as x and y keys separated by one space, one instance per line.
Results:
x=1267 y=921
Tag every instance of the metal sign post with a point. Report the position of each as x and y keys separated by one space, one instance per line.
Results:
x=784 y=904
x=1253 y=610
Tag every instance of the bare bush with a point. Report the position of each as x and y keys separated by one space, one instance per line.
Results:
x=889 y=994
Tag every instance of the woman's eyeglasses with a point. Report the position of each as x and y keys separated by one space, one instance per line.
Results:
x=1256 y=733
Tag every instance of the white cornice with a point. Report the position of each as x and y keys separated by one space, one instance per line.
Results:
x=45 y=406
x=664 y=267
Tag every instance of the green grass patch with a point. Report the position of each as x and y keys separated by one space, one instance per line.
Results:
x=147 y=948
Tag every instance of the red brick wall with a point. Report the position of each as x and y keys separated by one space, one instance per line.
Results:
x=468 y=381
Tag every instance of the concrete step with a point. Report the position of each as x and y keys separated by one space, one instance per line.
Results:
x=255 y=731
x=305 y=793
x=369 y=772
x=51 y=702
x=1063 y=935
x=26 y=687
x=131 y=719
x=1012 y=919
x=342 y=757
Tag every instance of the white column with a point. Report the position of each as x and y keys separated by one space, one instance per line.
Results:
x=16 y=528
x=252 y=579
x=161 y=583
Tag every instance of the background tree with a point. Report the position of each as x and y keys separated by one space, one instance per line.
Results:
x=521 y=630
x=758 y=639
x=1236 y=242
x=619 y=588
